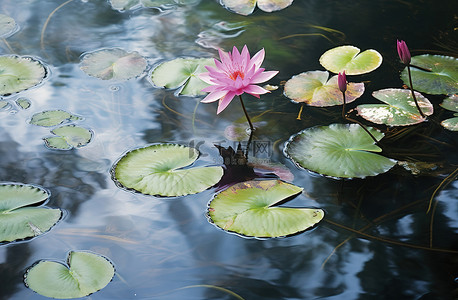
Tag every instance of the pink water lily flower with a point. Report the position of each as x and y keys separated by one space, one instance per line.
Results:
x=234 y=75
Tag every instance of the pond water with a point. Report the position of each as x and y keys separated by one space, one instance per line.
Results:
x=376 y=240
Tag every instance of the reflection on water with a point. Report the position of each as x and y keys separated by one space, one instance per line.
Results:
x=374 y=242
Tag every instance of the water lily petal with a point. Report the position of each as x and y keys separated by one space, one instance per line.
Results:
x=255 y=90
x=258 y=58
x=213 y=96
x=264 y=76
x=224 y=102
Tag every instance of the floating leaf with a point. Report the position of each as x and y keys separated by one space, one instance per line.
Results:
x=84 y=274
x=246 y=7
x=7 y=26
x=248 y=208
x=436 y=74
x=52 y=118
x=399 y=110
x=23 y=103
x=68 y=137
x=182 y=72
x=350 y=60
x=20 y=220
x=338 y=150
x=451 y=103
x=18 y=73
x=157 y=170
x=4 y=105
x=115 y=64
x=315 y=89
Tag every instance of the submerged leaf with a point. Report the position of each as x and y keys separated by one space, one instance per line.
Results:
x=7 y=26
x=248 y=208
x=18 y=73
x=158 y=170
x=350 y=60
x=338 y=150
x=85 y=274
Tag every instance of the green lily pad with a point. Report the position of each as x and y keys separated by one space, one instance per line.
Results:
x=315 y=89
x=247 y=208
x=350 y=60
x=182 y=72
x=52 y=118
x=7 y=26
x=399 y=110
x=23 y=103
x=246 y=7
x=69 y=137
x=438 y=74
x=158 y=170
x=4 y=105
x=113 y=64
x=85 y=273
x=338 y=150
x=18 y=73
x=20 y=220
x=451 y=103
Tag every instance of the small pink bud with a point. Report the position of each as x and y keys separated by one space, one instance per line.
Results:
x=342 y=81
x=403 y=52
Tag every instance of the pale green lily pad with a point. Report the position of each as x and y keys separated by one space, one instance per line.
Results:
x=85 y=273
x=451 y=103
x=7 y=26
x=18 y=218
x=350 y=60
x=315 y=89
x=113 y=64
x=399 y=110
x=4 y=105
x=52 y=118
x=182 y=72
x=246 y=7
x=338 y=150
x=159 y=170
x=23 y=103
x=442 y=77
x=18 y=73
x=69 y=137
x=247 y=208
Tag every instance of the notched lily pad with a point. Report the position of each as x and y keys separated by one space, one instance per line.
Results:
x=246 y=7
x=7 y=26
x=113 y=64
x=315 y=89
x=19 y=218
x=159 y=170
x=52 y=118
x=69 y=137
x=338 y=150
x=350 y=60
x=18 y=73
x=399 y=110
x=182 y=73
x=451 y=103
x=248 y=208
x=436 y=74
x=83 y=274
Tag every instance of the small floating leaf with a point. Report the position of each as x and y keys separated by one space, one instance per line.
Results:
x=350 y=60
x=84 y=274
x=18 y=73
x=182 y=72
x=338 y=150
x=248 y=208
x=7 y=26
x=451 y=103
x=115 y=64
x=399 y=110
x=4 y=105
x=23 y=103
x=20 y=220
x=74 y=137
x=246 y=7
x=438 y=74
x=52 y=118
x=157 y=170
x=315 y=89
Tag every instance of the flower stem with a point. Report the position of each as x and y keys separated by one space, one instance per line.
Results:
x=413 y=93
x=246 y=113
x=344 y=115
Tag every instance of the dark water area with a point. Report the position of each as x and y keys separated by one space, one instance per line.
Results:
x=377 y=240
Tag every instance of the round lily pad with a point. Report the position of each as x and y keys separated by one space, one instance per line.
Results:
x=19 y=219
x=52 y=118
x=114 y=64
x=338 y=150
x=85 y=273
x=159 y=170
x=7 y=26
x=350 y=60
x=437 y=74
x=246 y=7
x=69 y=137
x=248 y=208
x=399 y=110
x=315 y=89
x=182 y=73
x=451 y=103
x=18 y=73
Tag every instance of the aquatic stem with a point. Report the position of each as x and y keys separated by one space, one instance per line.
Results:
x=246 y=114
x=413 y=93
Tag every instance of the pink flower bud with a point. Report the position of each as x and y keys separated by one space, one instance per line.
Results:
x=403 y=52
x=342 y=81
